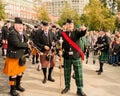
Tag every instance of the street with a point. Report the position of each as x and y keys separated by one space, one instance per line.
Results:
x=107 y=84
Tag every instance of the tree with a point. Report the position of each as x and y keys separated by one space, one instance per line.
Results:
x=43 y=14
x=96 y=16
x=104 y=2
x=118 y=7
x=111 y=4
x=117 y=22
x=2 y=10
x=68 y=12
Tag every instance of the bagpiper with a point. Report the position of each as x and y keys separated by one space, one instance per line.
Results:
x=14 y=63
x=102 y=46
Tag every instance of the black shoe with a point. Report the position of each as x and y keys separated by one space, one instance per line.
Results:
x=86 y=61
x=65 y=90
x=37 y=61
x=51 y=79
x=80 y=93
x=93 y=61
x=33 y=62
x=14 y=93
x=44 y=81
x=20 y=88
x=99 y=70
x=115 y=65
x=99 y=73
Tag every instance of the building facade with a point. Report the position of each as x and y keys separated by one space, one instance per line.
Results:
x=22 y=8
x=54 y=6
x=28 y=12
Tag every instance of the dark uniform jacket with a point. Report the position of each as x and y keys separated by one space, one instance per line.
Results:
x=103 y=43
x=5 y=32
x=75 y=36
x=16 y=48
x=33 y=36
x=42 y=39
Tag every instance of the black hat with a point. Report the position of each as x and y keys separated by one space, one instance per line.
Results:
x=103 y=30
x=45 y=23
x=69 y=21
x=35 y=26
x=53 y=26
x=18 y=20
x=64 y=23
x=8 y=21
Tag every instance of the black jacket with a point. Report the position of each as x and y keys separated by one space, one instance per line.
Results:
x=75 y=36
x=103 y=42
x=42 y=40
x=5 y=32
x=33 y=36
x=16 y=48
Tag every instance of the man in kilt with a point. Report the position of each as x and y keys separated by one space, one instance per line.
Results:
x=44 y=40
x=102 y=46
x=35 y=55
x=5 y=32
x=72 y=57
x=17 y=44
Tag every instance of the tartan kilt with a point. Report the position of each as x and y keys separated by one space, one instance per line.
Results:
x=12 y=68
x=5 y=44
x=34 y=51
x=103 y=57
x=46 y=63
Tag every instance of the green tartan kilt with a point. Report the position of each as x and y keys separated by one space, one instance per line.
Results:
x=103 y=57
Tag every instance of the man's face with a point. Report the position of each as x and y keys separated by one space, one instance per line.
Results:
x=101 y=32
x=35 y=29
x=19 y=27
x=64 y=27
x=9 y=25
x=46 y=28
x=70 y=26
x=53 y=29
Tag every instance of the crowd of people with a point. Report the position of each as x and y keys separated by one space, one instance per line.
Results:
x=113 y=48
x=43 y=44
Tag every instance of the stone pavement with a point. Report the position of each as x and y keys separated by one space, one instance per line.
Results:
x=107 y=84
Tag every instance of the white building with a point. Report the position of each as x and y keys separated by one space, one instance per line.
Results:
x=54 y=6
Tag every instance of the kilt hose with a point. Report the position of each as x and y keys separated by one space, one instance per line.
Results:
x=77 y=66
x=103 y=58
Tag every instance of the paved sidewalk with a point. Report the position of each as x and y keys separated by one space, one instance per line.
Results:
x=107 y=84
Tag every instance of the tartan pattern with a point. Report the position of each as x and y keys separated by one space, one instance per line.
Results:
x=103 y=57
x=77 y=69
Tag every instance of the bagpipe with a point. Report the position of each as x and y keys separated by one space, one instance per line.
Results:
x=55 y=48
x=48 y=53
x=33 y=45
x=98 y=48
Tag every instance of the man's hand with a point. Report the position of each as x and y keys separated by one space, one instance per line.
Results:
x=46 y=47
x=83 y=28
x=29 y=46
